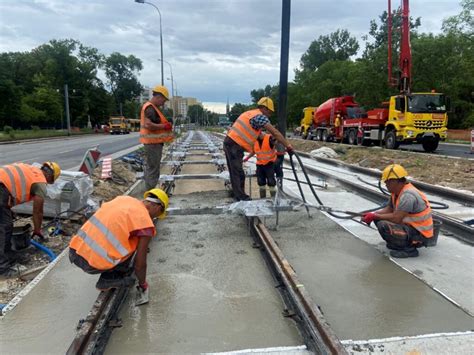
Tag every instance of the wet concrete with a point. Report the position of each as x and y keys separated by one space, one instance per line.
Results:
x=361 y=292
x=210 y=290
x=45 y=320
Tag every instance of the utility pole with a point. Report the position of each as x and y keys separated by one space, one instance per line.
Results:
x=284 y=54
x=68 y=118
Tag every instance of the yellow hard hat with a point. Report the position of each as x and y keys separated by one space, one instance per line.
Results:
x=54 y=167
x=160 y=195
x=266 y=102
x=159 y=89
x=393 y=171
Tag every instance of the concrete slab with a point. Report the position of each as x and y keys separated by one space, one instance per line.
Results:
x=361 y=292
x=210 y=290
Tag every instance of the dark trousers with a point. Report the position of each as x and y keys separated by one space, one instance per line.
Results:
x=6 y=228
x=234 y=154
x=266 y=175
x=153 y=153
x=279 y=166
x=122 y=269
x=400 y=236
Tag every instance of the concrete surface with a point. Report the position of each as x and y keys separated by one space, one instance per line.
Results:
x=362 y=294
x=210 y=290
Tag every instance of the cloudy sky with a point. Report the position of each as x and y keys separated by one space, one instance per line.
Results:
x=218 y=49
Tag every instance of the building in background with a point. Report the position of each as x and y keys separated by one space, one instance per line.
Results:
x=181 y=104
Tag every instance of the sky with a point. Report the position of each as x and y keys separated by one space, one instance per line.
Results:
x=218 y=50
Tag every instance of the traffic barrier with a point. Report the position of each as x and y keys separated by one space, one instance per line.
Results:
x=89 y=162
x=106 y=168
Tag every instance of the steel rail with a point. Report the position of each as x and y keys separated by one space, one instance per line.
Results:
x=456 y=228
x=457 y=196
x=318 y=335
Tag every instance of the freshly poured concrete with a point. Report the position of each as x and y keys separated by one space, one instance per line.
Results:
x=361 y=292
x=210 y=290
x=45 y=320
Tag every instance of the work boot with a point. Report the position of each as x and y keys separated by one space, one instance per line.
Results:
x=394 y=247
x=404 y=253
x=263 y=192
x=272 y=191
x=108 y=281
x=245 y=198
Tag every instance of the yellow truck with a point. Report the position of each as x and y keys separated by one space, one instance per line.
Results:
x=119 y=125
x=306 y=121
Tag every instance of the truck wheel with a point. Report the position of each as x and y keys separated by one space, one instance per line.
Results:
x=304 y=135
x=324 y=136
x=430 y=145
x=352 y=137
x=391 y=140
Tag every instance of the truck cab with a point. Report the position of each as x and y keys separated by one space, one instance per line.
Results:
x=307 y=121
x=119 y=125
x=417 y=118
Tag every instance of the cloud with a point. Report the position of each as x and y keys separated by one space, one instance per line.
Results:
x=217 y=48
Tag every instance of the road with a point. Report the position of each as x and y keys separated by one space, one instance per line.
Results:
x=67 y=152
x=448 y=149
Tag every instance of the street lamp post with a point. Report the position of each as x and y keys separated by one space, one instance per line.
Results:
x=161 y=35
x=172 y=85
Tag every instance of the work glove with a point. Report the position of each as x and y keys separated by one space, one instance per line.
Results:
x=168 y=126
x=369 y=217
x=38 y=234
x=142 y=294
x=290 y=150
x=246 y=159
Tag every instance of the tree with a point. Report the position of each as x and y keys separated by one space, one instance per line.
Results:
x=339 y=45
x=195 y=113
x=120 y=72
x=237 y=109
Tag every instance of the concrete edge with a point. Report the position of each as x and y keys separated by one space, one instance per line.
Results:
x=411 y=337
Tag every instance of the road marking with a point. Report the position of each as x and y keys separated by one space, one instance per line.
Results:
x=67 y=151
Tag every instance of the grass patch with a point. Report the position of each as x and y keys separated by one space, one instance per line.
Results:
x=14 y=135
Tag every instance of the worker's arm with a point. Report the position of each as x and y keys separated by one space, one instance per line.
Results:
x=277 y=135
x=395 y=217
x=140 y=258
x=155 y=126
x=247 y=158
x=38 y=203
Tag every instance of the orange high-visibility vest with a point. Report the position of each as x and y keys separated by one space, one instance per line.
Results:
x=422 y=221
x=242 y=132
x=18 y=179
x=104 y=240
x=265 y=153
x=153 y=136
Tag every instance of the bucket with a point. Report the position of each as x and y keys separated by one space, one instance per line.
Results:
x=431 y=242
x=21 y=237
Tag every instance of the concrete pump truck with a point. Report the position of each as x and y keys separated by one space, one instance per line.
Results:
x=406 y=118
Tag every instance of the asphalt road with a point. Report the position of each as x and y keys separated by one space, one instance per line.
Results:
x=448 y=149
x=67 y=152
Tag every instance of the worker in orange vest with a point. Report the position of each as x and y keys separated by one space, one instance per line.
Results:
x=155 y=130
x=242 y=136
x=264 y=150
x=120 y=228
x=21 y=183
x=406 y=222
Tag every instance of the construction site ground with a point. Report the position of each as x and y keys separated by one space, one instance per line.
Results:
x=445 y=171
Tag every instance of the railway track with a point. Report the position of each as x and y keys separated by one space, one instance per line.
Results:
x=94 y=331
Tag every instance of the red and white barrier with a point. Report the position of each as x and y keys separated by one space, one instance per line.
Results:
x=106 y=168
x=89 y=162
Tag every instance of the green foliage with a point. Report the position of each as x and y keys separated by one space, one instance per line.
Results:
x=8 y=129
x=35 y=128
x=32 y=85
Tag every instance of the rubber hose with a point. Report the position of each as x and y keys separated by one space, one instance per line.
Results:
x=41 y=247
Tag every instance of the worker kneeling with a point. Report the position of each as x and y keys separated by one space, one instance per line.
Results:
x=406 y=222
x=264 y=149
x=120 y=228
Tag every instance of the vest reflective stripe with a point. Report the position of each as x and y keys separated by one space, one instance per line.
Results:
x=242 y=132
x=104 y=240
x=265 y=154
x=109 y=235
x=422 y=221
x=18 y=179
x=96 y=247
x=154 y=136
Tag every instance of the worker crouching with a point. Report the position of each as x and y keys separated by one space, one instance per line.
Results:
x=264 y=149
x=406 y=222
x=120 y=229
x=20 y=183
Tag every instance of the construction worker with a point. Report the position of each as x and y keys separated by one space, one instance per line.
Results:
x=264 y=149
x=155 y=130
x=21 y=183
x=120 y=228
x=242 y=136
x=280 y=152
x=406 y=222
